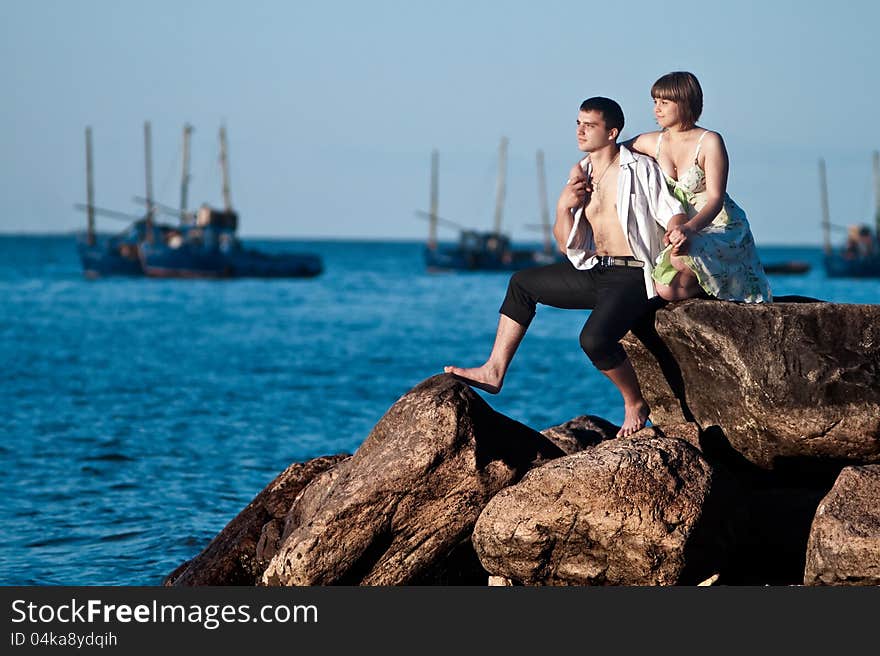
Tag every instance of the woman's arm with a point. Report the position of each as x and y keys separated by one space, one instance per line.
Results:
x=646 y=143
x=716 y=166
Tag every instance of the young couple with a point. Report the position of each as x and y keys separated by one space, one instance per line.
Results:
x=634 y=228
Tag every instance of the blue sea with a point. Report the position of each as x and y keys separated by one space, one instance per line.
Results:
x=139 y=416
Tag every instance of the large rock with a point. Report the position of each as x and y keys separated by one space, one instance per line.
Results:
x=402 y=509
x=237 y=555
x=580 y=433
x=844 y=544
x=788 y=384
x=640 y=511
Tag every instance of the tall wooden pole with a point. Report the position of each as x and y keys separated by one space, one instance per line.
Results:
x=148 y=165
x=826 y=215
x=432 y=226
x=877 y=194
x=90 y=190
x=542 y=203
x=224 y=169
x=184 y=178
x=500 y=184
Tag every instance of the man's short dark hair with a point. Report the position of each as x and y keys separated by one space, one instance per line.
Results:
x=610 y=110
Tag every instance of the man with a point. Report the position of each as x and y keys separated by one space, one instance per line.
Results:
x=609 y=222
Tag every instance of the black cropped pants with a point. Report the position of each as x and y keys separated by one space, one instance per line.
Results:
x=615 y=294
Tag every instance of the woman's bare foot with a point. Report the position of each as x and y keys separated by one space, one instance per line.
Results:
x=486 y=378
x=635 y=417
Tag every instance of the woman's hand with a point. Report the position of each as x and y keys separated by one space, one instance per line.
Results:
x=680 y=238
x=675 y=222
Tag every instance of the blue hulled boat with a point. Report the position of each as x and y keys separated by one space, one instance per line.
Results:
x=484 y=251
x=204 y=244
x=209 y=248
x=860 y=257
x=491 y=250
x=111 y=255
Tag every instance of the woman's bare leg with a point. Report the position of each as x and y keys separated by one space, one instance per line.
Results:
x=684 y=285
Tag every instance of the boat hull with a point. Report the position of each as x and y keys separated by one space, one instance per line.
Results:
x=254 y=264
x=787 y=268
x=160 y=261
x=837 y=266
x=438 y=260
x=187 y=262
x=103 y=258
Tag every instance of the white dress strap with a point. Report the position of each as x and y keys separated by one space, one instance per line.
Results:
x=699 y=143
x=659 y=141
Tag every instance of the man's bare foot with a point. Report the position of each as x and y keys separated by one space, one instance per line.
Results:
x=486 y=378
x=635 y=417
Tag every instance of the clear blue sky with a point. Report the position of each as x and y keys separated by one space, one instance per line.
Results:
x=332 y=108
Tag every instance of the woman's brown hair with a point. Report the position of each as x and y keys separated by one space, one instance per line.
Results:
x=684 y=89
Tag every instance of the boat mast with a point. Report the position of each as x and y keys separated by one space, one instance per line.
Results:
x=148 y=165
x=224 y=168
x=826 y=220
x=877 y=194
x=90 y=190
x=499 y=187
x=184 y=178
x=432 y=226
x=542 y=203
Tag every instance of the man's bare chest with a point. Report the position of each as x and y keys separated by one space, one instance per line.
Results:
x=601 y=206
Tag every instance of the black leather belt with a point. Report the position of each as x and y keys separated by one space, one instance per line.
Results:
x=610 y=260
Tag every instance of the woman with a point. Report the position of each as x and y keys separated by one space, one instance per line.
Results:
x=712 y=252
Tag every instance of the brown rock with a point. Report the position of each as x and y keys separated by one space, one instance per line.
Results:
x=233 y=558
x=844 y=544
x=638 y=511
x=402 y=509
x=580 y=433
x=785 y=382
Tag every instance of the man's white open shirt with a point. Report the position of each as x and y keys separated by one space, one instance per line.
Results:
x=643 y=202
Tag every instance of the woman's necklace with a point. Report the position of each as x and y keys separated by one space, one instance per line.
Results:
x=601 y=177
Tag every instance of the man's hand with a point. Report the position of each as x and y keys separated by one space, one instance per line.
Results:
x=573 y=194
x=577 y=173
x=576 y=189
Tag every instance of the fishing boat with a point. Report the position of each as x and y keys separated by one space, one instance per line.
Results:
x=788 y=267
x=478 y=250
x=860 y=256
x=115 y=254
x=204 y=244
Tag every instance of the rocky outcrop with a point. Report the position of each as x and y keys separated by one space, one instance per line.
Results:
x=844 y=544
x=580 y=433
x=239 y=554
x=788 y=385
x=401 y=510
x=755 y=411
x=640 y=511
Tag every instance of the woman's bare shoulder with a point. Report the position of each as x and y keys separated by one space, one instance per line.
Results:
x=711 y=138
